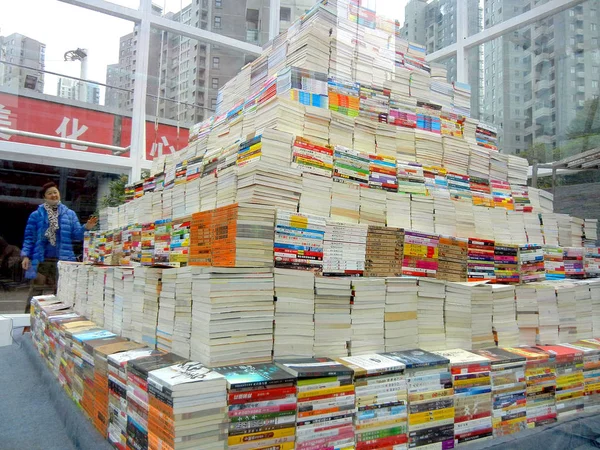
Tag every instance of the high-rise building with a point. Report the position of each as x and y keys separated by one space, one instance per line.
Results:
x=25 y=61
x=433 y=24
x=69 y=88
x=538 y=78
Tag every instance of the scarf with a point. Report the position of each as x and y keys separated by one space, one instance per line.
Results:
x=52 y=211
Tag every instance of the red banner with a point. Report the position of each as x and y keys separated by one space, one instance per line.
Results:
x=57 y=119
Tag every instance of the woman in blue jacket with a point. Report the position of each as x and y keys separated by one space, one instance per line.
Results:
x=49 y=235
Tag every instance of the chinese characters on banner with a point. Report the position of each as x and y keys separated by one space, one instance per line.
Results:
x=56 y=119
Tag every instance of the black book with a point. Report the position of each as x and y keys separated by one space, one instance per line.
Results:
x=255 y=375
x=314 y=367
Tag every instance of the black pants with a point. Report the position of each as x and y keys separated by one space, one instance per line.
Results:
x=44 y=283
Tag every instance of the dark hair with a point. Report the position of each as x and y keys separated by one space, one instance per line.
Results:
x=50 y=184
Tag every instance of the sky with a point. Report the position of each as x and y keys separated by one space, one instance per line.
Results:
x=63 y=27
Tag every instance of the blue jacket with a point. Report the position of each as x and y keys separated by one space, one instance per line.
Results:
x=33 y=244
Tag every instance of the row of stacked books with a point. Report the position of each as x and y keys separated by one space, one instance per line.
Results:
x=143 y=398
x=253 y=235
x=222 y=315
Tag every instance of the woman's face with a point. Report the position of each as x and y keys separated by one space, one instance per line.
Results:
x=52 y=194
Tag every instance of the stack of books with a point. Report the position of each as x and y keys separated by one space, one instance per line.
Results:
x=549 y=226
x=316 y=195
x=345 y=202
x=591 y=372
x=472 y=395
x=591 y=262
x=299 y=240
x=137 y=303
x=430 y=398
x=186 y=404
x=527 y=313
x=381 y=401
x=482 y=301
x=385 y=246
x=400 y=321
x=232 y=315
x=540 y=377
x=351 y=165
x=430 y=314
x=326 y=402
x=109 y=300
x=372 y=206
x=583 y=301
x=294 y=332
x=162 y=241
x=397 y=210
x=180 y=242
x=166 y=312
x=548 y=314
x=506 y=263
x=595 y=294
x=504 y=316
x=182 y=324
x=422 y=214
x=457 y=315
x=509 y=398
x=332 y=316
x=567 y=312
x=452 y=265
x=255 y=391
x=531 y=263
x=266 y=183
x=152 y=288
x=312 y=158
x=411 y=179
x=590 y=232
x=573 y=260
x=480 y=259
x=200 y=252
x=344 y=248
x=367 y=312
x=421 y=255
x=517 y=227
x=570 y=388
x=554 y=264
x=577 y=233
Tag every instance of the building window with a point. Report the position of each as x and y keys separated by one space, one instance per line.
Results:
x=285 y=14
x=218 y=4
x=595 y=84
x=217 y=22
x=216 y=61
x=517 y=125
x=518 y=138
x=517 y=151
x=215 y=83
x=213 y=103
x=593 y=27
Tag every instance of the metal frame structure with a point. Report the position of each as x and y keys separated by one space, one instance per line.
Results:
x=145 y=20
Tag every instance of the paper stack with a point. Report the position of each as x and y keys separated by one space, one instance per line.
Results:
x=332 y=316
x=504 y=316
x=457 y=315
x=567 y=312
x=482 y=218
x=465 y=219
x=166 y=311
x=109 y=301
x=548 y=314
x=429 y=149
x=294 y=309
x=565 y=236
x=232 y=315
x=401 y=304
x=137 y=303
x=527 y=313
x=208 y=191
x=500 y=225
x=430 y=314
x=367 y=313
x=226 y=178
x=445 y=215
x=344 y=248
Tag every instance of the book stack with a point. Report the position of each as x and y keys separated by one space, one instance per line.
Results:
x=344 y=248
x=472 y=395
x=117 y=393
x=457 y=315
x=367 y=312
x=482 y=301
x=456 y=154
x=162 y=241
x=422 y=214
x=430 y=398
x=123 y=285
x=465 y=219
x=276 y=147
x=540 y=377
x=517 y=230
x=385 y=246
x=570 y=387
x=192 y=197
x=96 y=289
x=294 y=332
x=299 y=240
x=200 y=239
x=345 y=202
x=500 y=225
x=577 y=231
x=397 y=209
x=208 y=185
x=351 y=165
x=178 y=200
x=590 y=232
x=554 y=264
x=411 y=179
x=506 y=263
x=565 y=236
x=480 y=259
x=591 y=371
x=137 y=303
x=531 y=263
x=548 y=315
x=232 y=315
x=186 y=404
x=527 y=313
x=242 y=236
x=504 y=316
x=108 y=283
x=152 y=286
x=595 y=294
x=430 y=314
x=182 y=323
x=452 y=264
x=400 y=320
x=591 y=262
x=364 y=135
x=227 y=176
x=445 y=214
x=381 y=401
x=549 y=226
x=157 y=207
x=332 y=316
x=341 y=128
x=166 y=312
x=317 y=118
x=484 y=228
x=420 y=257
x=567 y=312
x=372 y=206
x=573 y=260
x=509 y=398
x=583 y=302
x=312 y=158
x=316 y=195
x=138 y=398
x=167 y=203
x=326 y=403
x=180 y=242
x=258 y=390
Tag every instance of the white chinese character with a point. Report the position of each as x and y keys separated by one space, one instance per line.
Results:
x=75 y=133
x=157 y=149
x=4 y=121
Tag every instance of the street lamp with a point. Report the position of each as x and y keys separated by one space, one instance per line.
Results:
x=81 y=54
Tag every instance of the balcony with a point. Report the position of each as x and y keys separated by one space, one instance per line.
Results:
x=542 y=113
x=542 y=85
x=581 y=74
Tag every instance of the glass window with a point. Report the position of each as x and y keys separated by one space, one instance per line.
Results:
x=217 y=22
x=215 y=83
x=215 y=62
x=218 y=4
x=285 y=14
